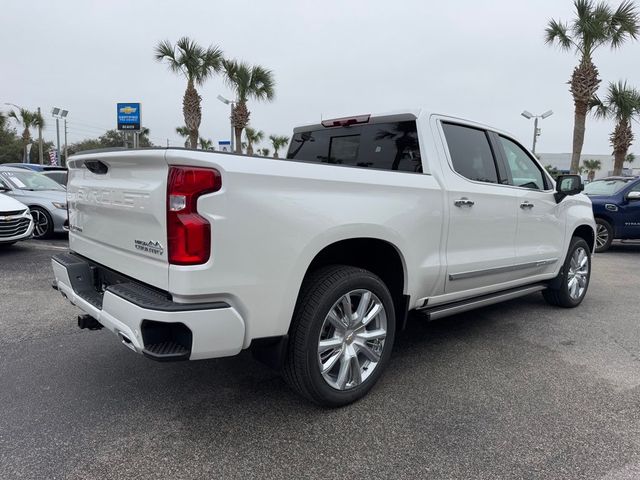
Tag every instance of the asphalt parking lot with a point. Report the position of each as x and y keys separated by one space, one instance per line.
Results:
x=515 y=391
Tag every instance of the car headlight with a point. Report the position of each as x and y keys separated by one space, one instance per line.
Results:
x=62 y=206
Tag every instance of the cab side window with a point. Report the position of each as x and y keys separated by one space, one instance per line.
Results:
x=522 y=170
x=471 y=153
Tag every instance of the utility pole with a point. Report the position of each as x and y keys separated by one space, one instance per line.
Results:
x=65 y=141
x=536 y=131
x=59 y=113
x=40 y=154
x=58 y=135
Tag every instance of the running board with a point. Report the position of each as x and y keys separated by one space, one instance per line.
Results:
x=441 y=311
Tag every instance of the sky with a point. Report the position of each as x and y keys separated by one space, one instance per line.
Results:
x=485 y=61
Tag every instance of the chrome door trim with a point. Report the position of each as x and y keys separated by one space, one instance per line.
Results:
x=508 y=268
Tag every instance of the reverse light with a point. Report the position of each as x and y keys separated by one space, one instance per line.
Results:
x=188 y=233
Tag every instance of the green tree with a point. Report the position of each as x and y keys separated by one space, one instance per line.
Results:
x=591 y=166
x=253 y=138
x=248 y=82
x=630 y=158
x=622 y=104
x=264 y=152
x=206 y=144
x=27 y=119
x=197 y=64
x=553 y=171
x=110 y=139
x=277 y=142
x=595 y=24
x=11 y=149
x=184 y=133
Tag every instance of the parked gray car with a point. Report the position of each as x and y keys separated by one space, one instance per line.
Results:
x=46 y=199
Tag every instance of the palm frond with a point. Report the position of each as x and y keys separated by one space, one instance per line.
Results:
x=262 y=84
x=558 y=32
x=624 y=24
x=164 y=51
x=183 y=131
x=598 y=108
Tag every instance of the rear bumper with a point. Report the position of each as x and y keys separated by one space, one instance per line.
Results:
x=213 y=329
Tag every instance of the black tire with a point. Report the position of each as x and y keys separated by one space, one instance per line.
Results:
x=603 y=229
x=557 y=293
x=39 y=214
x=319 y=294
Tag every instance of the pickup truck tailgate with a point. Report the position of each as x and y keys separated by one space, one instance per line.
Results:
x=117 y=212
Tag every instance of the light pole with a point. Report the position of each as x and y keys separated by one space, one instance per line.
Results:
x=39 y=133
x=536 y=130
x=59 y=113
x=232 y=103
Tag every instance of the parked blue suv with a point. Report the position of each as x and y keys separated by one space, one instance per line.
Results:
x=616 y=208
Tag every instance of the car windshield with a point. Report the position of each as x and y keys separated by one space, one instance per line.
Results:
x=605 y=187
x=30 y=181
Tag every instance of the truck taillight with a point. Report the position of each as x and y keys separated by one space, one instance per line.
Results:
x=188 y=233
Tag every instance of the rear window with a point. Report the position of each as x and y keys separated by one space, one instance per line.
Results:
x=471 y=153
x=382 y=146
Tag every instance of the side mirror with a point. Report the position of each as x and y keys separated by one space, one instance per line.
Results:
x=631 y=196
x=568 y=185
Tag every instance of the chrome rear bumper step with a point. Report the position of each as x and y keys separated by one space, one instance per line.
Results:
x=441 y=311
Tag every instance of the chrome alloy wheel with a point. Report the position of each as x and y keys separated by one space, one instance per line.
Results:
x=602 y=235
x=352 y=339
x=40 y=223
x=578 y=273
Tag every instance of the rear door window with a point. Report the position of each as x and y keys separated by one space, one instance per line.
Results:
x=382 y=146
x=471 y=153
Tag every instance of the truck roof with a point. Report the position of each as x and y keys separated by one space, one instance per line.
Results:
x=394 y=115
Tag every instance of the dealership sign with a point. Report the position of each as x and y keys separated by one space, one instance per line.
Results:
x=129 y=116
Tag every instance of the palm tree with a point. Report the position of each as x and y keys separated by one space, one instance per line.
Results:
x=595 y=24
x=27 y=119
x=622 y=104
x=206 y=144
x=253 y=137
x=264 y=152
x=197 y=64
x=591 y=166
x=278 y=141
x=184 y=132
x=248 y=83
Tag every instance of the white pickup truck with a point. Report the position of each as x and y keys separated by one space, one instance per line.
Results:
x=314 y=261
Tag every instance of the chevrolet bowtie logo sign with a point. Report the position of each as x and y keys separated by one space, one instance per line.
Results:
x=128 y=116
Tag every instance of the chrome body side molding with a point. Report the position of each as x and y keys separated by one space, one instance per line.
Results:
x=508 y=268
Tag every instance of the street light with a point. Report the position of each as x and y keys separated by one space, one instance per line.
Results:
x=25 y=159
x=232 y=103
x=59 y=113
x=536 y=131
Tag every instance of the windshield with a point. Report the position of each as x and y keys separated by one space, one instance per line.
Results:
x=30 y=181
x=605 y=187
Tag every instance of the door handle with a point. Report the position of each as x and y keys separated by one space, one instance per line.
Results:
x=464 y=202
x=524 y=205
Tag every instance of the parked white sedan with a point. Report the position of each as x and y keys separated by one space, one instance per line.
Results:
x=15 y=221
